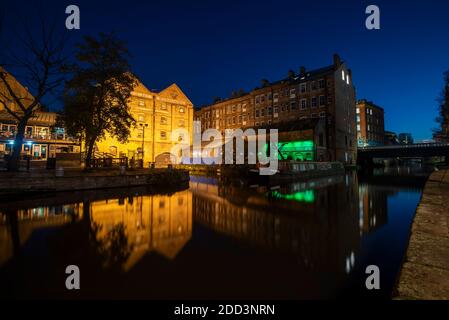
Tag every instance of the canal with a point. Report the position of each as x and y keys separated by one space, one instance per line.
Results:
x=305 y=240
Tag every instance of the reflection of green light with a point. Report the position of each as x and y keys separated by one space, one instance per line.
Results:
x=300 y=196
x=295 y=150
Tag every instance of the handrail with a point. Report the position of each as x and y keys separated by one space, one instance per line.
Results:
x=404 y=146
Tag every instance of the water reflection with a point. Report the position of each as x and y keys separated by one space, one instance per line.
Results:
x=303 y=240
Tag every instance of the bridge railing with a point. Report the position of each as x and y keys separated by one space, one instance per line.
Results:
x=404 y=146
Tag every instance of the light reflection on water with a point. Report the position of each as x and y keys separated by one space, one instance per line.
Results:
x=305 y=240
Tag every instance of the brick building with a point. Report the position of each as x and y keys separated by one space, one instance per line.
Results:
x=370 y=124
x=327 y=93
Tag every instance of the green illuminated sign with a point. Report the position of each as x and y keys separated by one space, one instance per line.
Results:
x=295 y=150
x=300 y=196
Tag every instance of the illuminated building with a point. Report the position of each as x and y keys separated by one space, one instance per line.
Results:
x=157 y=115
x=326 y=93
x=370 y=124
x=42 y=139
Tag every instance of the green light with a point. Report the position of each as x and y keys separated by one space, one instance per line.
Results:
x=295 y=150
x=300 y=196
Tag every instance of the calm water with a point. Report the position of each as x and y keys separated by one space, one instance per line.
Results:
x=304 y=240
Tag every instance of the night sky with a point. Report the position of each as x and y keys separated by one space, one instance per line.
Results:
x=210 y=48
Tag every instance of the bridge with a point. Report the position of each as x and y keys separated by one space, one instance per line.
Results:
x=365 y=155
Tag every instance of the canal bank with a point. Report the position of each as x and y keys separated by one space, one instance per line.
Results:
x=425 y=271
x=18 y=183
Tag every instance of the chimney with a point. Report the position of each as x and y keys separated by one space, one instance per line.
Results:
x=302 y=71
x=291 y=74
x=337 y=61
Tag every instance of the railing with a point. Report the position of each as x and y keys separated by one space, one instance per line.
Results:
x=404 y=146
x=50 y=136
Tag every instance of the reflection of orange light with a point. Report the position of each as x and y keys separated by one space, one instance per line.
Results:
x=149 y=226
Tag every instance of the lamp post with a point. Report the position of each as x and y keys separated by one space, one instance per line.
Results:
x=143 y=126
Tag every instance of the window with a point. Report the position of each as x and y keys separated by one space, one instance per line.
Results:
x=181 y=110
x=270 y=96
x=181 y=123
x=240 y=119
x=321 y=83
x=293 y=105
x=322 y=114
x=257 y=99
x=313 y=102
x=357 y=110
x=275 y=109
x=275 y=96
x=322 y=101
x=303 y=87
x=303 y=104
x=358 y=118
x=163 y=135
x=269 y=111
x=343 y=74
x=141 y=103
x=292 y=92
x=257 y=124
x=313 y=87
x=233 y=120
x=347 y=79
x=262 y=112
x=314 y=115
x=141 y=118
x=369 y=128
x=163 y=120
x=233 y=108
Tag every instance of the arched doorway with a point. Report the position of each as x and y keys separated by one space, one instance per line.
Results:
x=164 y=159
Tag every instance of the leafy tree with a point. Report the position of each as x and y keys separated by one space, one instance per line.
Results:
x=97 y=95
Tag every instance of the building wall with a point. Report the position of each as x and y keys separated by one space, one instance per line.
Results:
x=320 y=93
x=157 y=115
x=370 y=124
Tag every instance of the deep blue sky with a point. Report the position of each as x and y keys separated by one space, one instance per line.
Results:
x=210 y=48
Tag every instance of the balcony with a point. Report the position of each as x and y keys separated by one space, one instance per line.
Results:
x=38 y=137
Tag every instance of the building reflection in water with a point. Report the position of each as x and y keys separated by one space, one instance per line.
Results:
x=160 y=223
x=372 y=207
x=322 y=231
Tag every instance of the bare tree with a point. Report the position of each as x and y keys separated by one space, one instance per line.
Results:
x=37 y=60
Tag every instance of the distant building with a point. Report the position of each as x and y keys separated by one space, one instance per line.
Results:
x=327 y=93
x=391 y=138
x=405 y=138
x=370 y=124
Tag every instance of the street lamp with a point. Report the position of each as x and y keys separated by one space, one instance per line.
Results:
x=143 y=126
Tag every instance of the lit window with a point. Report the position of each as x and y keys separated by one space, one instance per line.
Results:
x=141 y=118
x=163 y=120
x=347 y=79
x=343 y=74
x=358 y=127
x=357 y=110
x=163 y=107
x=181 y=110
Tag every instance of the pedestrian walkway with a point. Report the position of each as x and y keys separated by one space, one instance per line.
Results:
x=425 y=272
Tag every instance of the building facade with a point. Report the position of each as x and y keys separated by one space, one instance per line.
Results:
x=43 y=138
x=326 y=93
x=157 y=116
x=370 y=124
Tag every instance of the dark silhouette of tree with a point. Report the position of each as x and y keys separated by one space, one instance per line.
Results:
x=97 y=95
x=442 y=132
x=38 y=58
